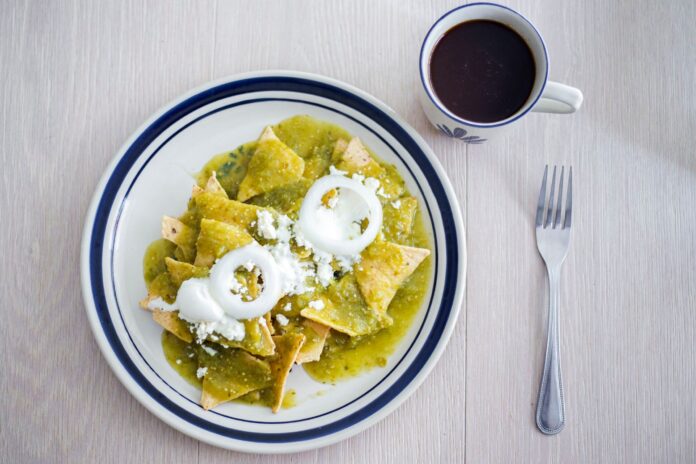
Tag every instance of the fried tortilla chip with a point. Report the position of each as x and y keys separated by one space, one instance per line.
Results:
x=214 y=187
x=196 y=190
x=345 y=310
x=356 y=159
x=398 y=219
x=257 y=339
x=315 y=337
x=382 y=270
x=229 y=374
x=180 y=271
x=287 y=348
x=267 y=135
x=230 y=211
x=182 y=235
x=160 y=287
x=274 y=164
x=170 y=321
x=287 y=198
x=391 y=184
x=269 y=323
x=339 y=147
x=217 y=238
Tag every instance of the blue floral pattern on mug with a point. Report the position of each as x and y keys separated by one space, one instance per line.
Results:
x=459 y=133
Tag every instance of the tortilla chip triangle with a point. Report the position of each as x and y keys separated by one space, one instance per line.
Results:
x=267 y=134
x=170 y=321
x=214 y=187
x=230 y=211
x=180 y=271
x=217 y=238
x=356 y=158
x=257 y=339
x=269 y=321
x=382 y=270
x=287 y=348
x=229 y=374
x=273 y=164
x=161 y=286
x=315 y=337
x=345 y=310
x=287 y=198
x=180 y=234
x=398 y=220
x=340 y=147
x=196 y=190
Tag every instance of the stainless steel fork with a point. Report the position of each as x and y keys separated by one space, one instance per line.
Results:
x=553 y=239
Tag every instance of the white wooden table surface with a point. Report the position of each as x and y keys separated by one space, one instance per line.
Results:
x=79 y=76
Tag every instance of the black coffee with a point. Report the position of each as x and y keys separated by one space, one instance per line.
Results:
x=482 y=71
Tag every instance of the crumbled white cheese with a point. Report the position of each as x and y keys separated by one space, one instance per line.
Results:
x=324 y=274
x=282 y=320
x=323 y=260
x=299 y=237
x=287 y=307
x=295 y=272
x=346 y=262
x=265 y=225
x=336 y=172
x=249 y=266
x=159 y=303
x=236 y=286
x=396 y=204
x=284 y=228
x=209 y=350
x=317 y=304
x=323 y=263
x=262 y=321
x=201 y=371
x=178 y=361
x=382 y=193
x=229 y=328
x=190 y=355
x=359 y=177
x=371 y=183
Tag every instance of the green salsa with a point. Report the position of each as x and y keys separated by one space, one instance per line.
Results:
x=315 y=142
x=345 y=356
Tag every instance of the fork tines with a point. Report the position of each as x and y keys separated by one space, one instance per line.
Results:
x=546 y=216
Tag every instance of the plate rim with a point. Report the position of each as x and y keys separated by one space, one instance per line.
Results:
x=233 y=443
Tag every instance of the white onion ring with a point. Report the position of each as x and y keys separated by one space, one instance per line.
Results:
x=312 y=230
x=222 y=273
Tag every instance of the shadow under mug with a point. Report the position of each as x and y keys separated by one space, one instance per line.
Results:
x=546 y=96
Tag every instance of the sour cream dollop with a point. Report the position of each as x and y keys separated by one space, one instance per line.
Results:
x=195 y=302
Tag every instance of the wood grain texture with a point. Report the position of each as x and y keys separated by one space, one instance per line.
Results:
x=79 y=77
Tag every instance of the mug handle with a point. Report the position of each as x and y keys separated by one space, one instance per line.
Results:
x=559 y=98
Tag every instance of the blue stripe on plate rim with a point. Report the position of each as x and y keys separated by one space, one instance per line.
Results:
x=235 y=88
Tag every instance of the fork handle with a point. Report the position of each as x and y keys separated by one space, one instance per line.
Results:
x=550 y=413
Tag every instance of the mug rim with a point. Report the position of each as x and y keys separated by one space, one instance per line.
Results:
x=441 y=106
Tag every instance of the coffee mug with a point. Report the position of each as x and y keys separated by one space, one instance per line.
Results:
x=546 y=96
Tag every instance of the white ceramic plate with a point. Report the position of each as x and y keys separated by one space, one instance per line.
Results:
x=150 y=177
